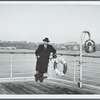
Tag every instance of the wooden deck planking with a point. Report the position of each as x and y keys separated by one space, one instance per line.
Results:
x=47 y=87
x=38 y=86
x=5 y=90
x=73 y=88
x=12 y=90
x=31 y=90
x=55 y=90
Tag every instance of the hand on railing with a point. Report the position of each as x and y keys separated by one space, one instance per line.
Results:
x=53 y=57
x=37 y=56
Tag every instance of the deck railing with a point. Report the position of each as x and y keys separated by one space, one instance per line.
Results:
x=90 y=69
x=18 y=65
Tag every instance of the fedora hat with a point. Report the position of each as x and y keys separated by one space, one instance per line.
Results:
x=46 y=39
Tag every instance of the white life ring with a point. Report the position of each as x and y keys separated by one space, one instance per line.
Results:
x=63 y=72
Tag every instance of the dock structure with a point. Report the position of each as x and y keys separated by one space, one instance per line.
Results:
x=72 y=46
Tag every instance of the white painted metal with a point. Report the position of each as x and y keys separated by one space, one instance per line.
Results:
x=81 y=40
x=80 y=79
x=74 y=69
x=11 y=69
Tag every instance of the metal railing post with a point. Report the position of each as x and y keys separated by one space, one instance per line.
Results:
x=80 y=79
x=81 y=40
x=74 y=69
x=11 y=67
x=50 y=72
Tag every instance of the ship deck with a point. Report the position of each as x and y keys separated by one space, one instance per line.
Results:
x=48 y=86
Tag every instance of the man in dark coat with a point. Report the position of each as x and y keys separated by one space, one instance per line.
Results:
x=42 y=54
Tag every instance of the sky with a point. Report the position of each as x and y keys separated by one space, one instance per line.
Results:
x=61 y=23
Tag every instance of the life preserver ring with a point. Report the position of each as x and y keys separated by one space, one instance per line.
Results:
x=58 y=72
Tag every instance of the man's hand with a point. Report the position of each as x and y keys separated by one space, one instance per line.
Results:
x=38 y=56
x=54 y=56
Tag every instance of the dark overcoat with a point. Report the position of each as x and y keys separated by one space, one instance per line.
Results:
x=42 y=61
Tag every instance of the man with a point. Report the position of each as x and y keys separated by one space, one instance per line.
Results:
x=42 y=54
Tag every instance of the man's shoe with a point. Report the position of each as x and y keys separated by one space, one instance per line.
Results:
x=36 y=79
x=41 y=80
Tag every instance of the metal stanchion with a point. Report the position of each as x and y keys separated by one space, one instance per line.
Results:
x=81 y=40
x=74 y=69
x=11 y=69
